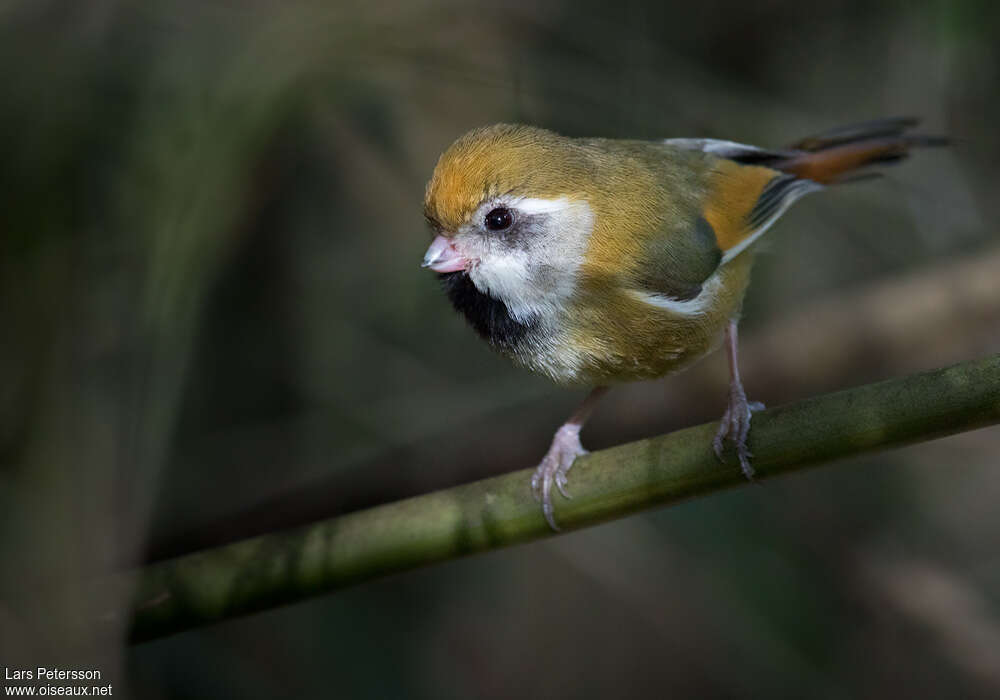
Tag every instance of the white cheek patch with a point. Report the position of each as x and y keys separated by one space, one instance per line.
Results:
x=534 y=278
x=506 y=277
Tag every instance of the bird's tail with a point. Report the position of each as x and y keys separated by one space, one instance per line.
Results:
x=842 y=154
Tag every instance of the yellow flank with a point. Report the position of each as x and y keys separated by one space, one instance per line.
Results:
x=733 y=190
x=616 y=337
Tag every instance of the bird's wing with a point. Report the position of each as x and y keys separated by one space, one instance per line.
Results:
x=734 y=205
x=732 y=150
x=743 y=201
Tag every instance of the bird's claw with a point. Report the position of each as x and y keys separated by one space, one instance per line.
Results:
x=561 y=482
x=565 y=449
x=735 y=425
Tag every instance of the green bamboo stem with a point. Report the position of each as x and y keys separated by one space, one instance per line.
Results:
x=283 y=567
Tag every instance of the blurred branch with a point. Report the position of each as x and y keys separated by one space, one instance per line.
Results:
x=935 y=314
x=942 y=602
x=284 y=567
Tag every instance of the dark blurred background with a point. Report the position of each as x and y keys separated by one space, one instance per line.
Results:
x=214 y=324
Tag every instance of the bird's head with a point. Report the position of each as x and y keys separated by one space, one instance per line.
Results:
x=508 y=209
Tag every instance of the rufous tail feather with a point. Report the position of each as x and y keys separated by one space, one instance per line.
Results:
x=837 y=156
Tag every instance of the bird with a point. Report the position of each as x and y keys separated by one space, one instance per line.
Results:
x=599 y=261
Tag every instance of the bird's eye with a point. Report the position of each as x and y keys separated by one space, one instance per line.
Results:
x=499 y=219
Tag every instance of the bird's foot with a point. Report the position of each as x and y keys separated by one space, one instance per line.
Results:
x=565 y=449
x=735 y=425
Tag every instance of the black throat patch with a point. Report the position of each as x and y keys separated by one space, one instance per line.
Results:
x=488 y=316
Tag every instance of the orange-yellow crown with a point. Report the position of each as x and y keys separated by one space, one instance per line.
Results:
x=492 y=161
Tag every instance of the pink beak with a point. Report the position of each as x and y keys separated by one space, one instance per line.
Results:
x=441 y=256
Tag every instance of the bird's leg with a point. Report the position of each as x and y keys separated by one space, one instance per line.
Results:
x=565 y=449
x=736 y=420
